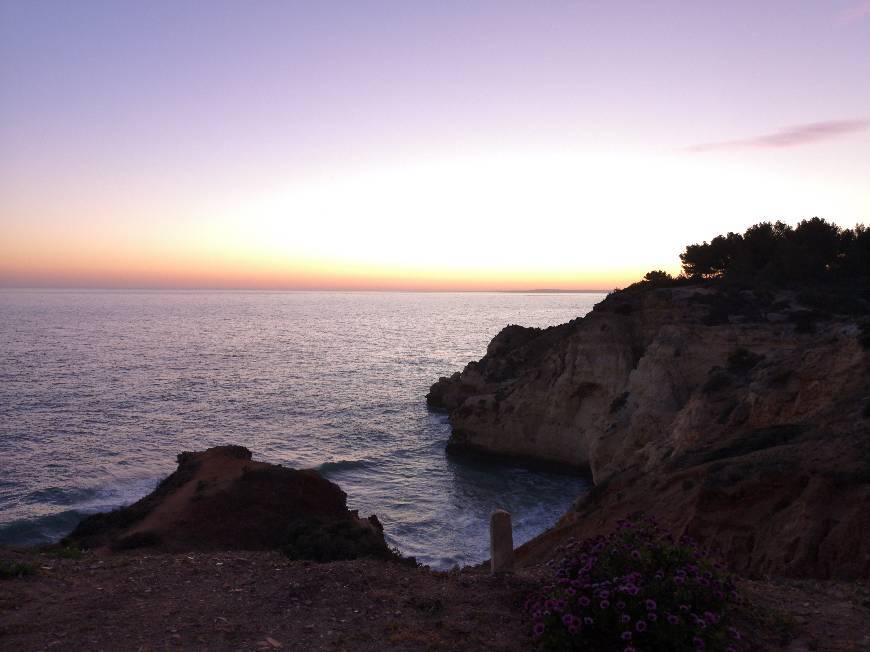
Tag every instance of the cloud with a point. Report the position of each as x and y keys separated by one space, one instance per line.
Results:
x=852 y=14
x=795 y=136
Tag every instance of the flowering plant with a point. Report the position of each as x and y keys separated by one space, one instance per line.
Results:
x=634 y=590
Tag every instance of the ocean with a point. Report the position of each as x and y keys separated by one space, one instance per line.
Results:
x=99 y=390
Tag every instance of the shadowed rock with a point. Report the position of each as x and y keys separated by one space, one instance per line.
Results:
x=220 y=499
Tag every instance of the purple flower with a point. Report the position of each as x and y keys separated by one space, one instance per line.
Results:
x=620 y=605
x=568 y=620
x=539 y=629
x=652 y=616
x=583 y=601
x=624 y=618
x=710 y=617
x=626 y=636
x=588 y=621
x=640 y=625
x=651 y=605
x=673 y=620
x=698 y=642
x=684 y=607
x=734 y=633
x=604 y=604
x=573 y=629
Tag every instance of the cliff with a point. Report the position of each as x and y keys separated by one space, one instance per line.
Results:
x=736 y=416
x=220 y=499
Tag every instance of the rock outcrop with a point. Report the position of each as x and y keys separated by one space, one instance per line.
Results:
x=219 y=499
x=738 y=417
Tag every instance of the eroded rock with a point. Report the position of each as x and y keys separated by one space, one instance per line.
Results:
x=220 y=499
x=746 y=433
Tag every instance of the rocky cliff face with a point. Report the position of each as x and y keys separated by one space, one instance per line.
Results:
x=737 y=417
x=220 y=499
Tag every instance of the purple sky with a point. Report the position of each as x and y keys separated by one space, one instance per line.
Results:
x=142 y=142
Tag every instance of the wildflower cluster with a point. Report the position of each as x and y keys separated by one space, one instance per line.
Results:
x=634 y=590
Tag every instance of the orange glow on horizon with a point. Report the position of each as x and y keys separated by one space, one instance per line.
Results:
x=189 y=275
x=535 y=219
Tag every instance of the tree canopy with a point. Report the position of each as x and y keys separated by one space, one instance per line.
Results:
x=814 y=250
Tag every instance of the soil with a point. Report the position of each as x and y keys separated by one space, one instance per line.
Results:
x=253 y=600
x=245 y=600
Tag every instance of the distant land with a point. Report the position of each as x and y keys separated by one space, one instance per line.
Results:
x=553 y=291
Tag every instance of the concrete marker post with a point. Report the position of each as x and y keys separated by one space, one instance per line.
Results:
x=501 y=542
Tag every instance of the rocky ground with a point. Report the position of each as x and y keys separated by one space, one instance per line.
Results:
x=264 y=601
x=255 y=600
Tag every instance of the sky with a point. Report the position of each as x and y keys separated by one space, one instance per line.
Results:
x=417 y=146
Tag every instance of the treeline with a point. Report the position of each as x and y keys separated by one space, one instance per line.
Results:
x=814 y=250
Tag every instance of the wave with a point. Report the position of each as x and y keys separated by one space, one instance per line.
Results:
x=40 y=530
x=342 y=465
x=62 y=496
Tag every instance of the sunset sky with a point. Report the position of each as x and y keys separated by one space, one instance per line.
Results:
x=417 y=145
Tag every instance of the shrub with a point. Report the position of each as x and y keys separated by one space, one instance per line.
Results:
x=864 y=332
x=65 y=552
x=658 y=278
x=12 y=569
x=634 y=590
x=332 y=541
x=741 y=360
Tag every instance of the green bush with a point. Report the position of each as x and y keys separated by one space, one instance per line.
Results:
x=65 y=552
x=321 y=541
x=12 y=569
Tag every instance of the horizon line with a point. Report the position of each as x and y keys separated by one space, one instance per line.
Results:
x=33 y=288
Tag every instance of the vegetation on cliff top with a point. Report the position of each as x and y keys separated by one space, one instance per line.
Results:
x=814 y=250
x=828 y=266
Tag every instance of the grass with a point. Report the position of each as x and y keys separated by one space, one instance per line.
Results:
x=13 y=569
x=65 y=552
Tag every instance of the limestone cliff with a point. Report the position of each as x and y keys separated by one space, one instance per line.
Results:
x=739 y=417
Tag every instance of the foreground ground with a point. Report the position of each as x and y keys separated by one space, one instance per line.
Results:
x=262 y=601
x=255 y=600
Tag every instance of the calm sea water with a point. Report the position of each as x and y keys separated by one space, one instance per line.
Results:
x=100 y=390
